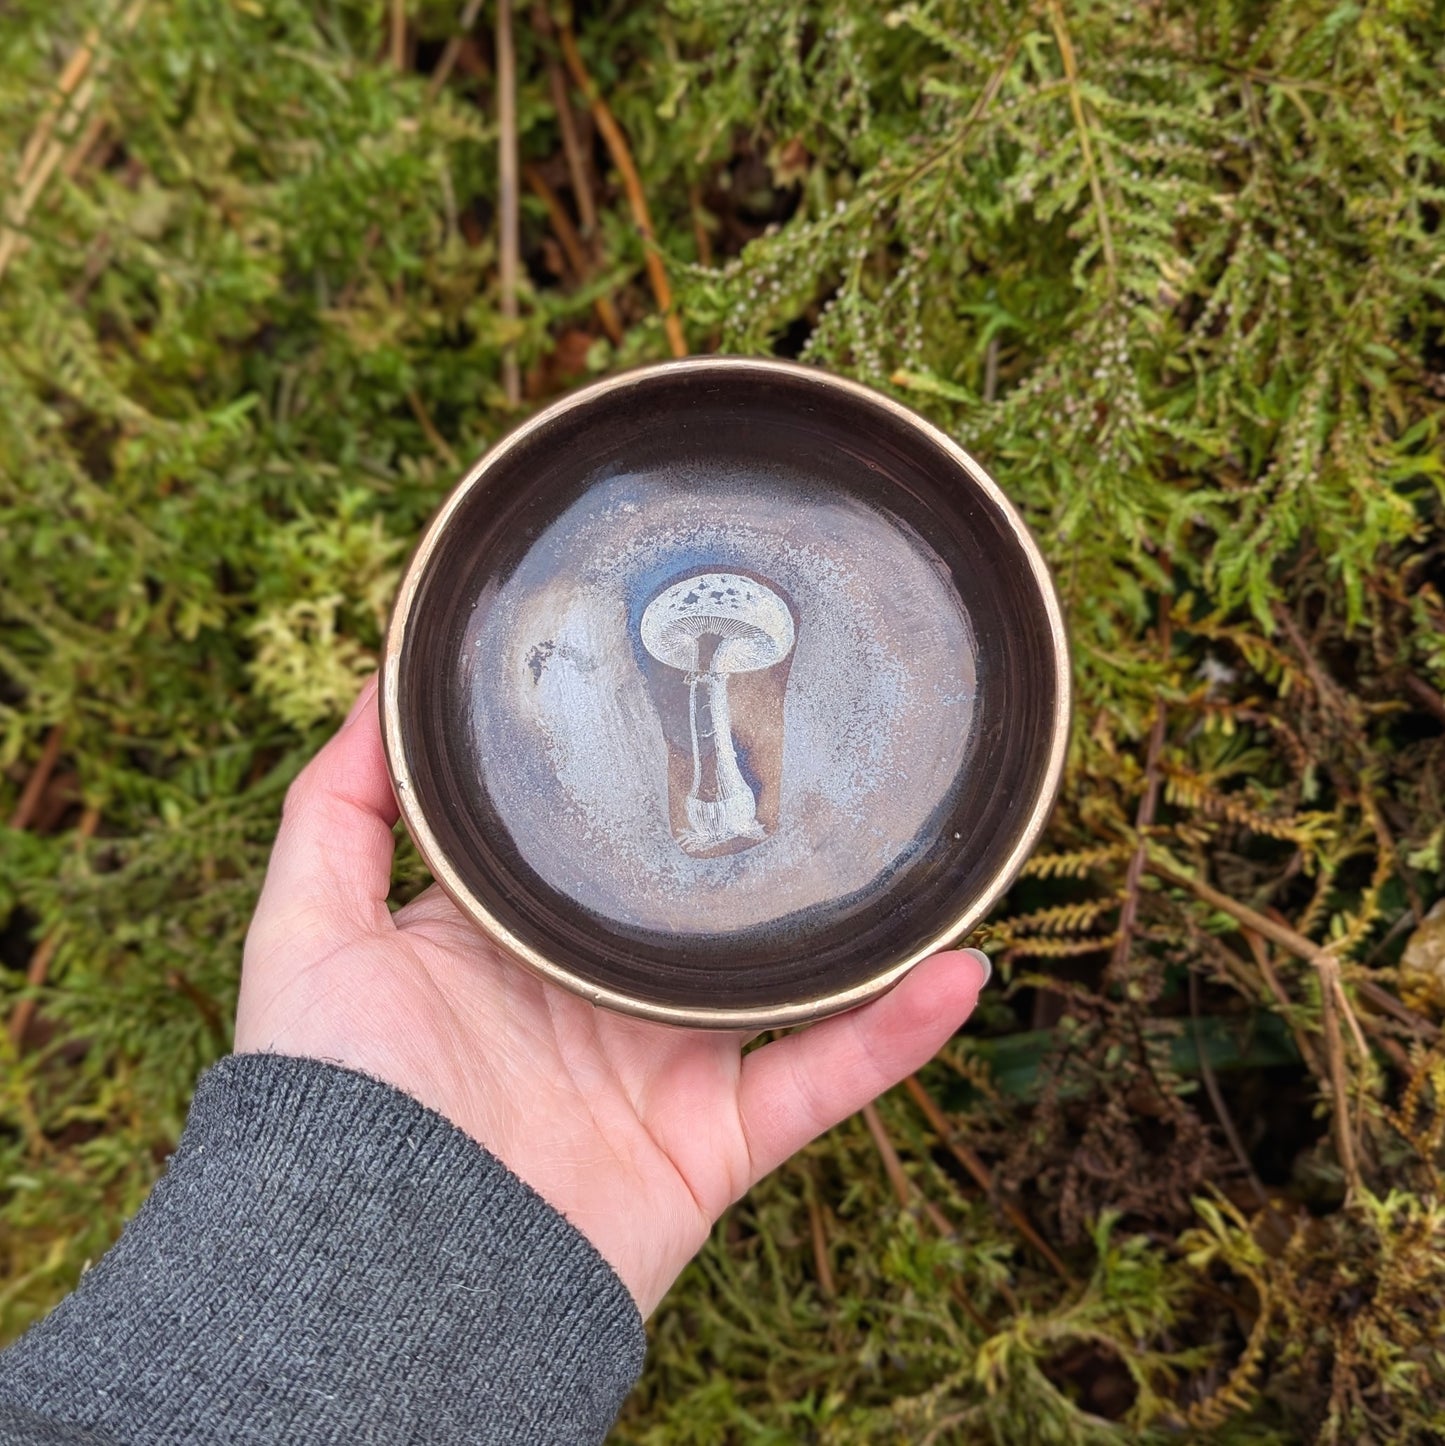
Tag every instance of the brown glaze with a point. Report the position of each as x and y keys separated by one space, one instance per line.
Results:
x=906 y=708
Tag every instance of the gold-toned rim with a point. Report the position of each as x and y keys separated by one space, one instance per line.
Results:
x=803 y=1010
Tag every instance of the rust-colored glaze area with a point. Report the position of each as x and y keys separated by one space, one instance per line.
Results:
x=724 y=691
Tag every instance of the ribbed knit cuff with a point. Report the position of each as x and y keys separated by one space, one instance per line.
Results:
x=326 y=1260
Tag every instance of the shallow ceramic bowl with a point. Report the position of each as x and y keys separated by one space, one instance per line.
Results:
x=725 y=691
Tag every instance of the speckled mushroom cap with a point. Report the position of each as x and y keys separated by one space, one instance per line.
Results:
x=724 y=691
x=751 y=621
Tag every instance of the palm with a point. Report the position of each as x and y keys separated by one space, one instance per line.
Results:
x=641 y=1134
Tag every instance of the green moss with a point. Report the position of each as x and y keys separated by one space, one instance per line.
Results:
x=1174 y=273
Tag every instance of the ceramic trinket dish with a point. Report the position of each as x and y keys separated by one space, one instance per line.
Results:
x=724 y=691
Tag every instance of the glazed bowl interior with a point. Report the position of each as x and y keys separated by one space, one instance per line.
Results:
x=536 y=711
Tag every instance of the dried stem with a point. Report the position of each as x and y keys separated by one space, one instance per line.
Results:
x=701 y=239
x=1302 y=1041
x=905 y=1190
x=892 y=1165
x=1216 y=1097
x=1339 y=1088
x=1389 y=851
x=53 y=143
x=429 y=428
x=947 y=1134
x=398 y=34
x=1277 y=933
x=34 y=789
x=71 y=75
x=1425 y=695
x=903 y=1187
x=1294 y=943
x=40 y=961
x=453 y=49
x=1386 y=1003
x=572 y=150
x=1322 y=960
x=1330 y=693
x=1333 y=1003
x=822 y=1266
x=508 y=211
x=617 y=148
x=206 y=1007
x=87 y=148
x=1086 y=147
x=990 y=369
x=573 y=249
x=1148 y=807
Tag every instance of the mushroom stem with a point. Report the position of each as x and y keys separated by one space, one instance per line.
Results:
x=720 y=805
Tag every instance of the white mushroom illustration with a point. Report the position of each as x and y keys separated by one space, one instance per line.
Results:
x=710 y=626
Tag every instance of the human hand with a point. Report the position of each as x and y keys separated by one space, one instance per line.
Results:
x=640 y=1134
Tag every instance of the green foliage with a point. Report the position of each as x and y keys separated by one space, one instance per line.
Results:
x=1173 y=272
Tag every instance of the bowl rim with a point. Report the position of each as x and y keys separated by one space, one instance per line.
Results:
x=755 y=1017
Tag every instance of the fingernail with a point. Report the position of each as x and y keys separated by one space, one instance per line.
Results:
x=983 y=960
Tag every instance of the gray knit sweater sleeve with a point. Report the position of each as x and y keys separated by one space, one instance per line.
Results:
x=325 y=1260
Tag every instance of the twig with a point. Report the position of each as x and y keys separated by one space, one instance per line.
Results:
x=35 y=975
x=34 y=789
x=1407 y=920
x=1302 y=1041
x=1380 y=998
x=1386 y=1003
x=52 y=142
x=398 y=34
x=44 y=955
x=572 y=150
x=1333 y=1003
x=508 y=210
x=1322 y=959
x=71 y=75
x=573 y=249
x=1330 y=694
x=1389 y=851
x=903 y=1187
x=990 y=369
x=205 y=1006
x=1426 y=695
x=1216 y=1096
x=14 y=241
x=821 y=1264
x=88 y=147
x=429 y=427
x=453 y=49
x=1086 y=149
x=701 y=239
x=892 y=1165
x=617 y=148
x=1294 y=943
x=1271 y=929
x=1148 y=806
x=1339 y=1088
x=986 y=97
x=1389 y=1045
x=948 y=1137
x=96 y=260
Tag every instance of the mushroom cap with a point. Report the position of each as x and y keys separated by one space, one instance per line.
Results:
x=752 y=621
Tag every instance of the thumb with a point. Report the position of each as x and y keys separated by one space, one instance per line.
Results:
x=797 y=1087
x=330 y=869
